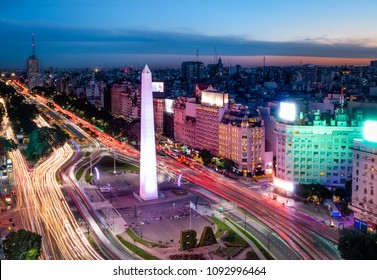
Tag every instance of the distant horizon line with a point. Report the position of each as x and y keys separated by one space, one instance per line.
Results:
x=243 y=61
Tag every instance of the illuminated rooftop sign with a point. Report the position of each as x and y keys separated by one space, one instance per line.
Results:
x=287 y=111
x=169 y=105
x=214 y=98
x=157 y=86
x=370 y=131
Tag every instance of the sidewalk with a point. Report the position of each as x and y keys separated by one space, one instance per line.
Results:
x=319 y=213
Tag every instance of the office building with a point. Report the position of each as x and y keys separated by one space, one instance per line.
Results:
x=241 y=139
x=316 y=148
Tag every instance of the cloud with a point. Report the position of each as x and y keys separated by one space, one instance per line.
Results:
x=62 y=40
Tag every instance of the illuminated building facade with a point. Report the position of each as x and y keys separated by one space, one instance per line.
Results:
x=148 y=170
x=125 y=101
x=364 y=184
x=159 y=109
x=208 y=116
x=185 y=121
x=33 y=71
x=317 y=151
x=241 y=139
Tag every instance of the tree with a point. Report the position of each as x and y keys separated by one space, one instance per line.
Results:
x=8 y=144
x=22 y=244
x=43 y=139
x=206 y=156
x=356 y=245
x=313 y=191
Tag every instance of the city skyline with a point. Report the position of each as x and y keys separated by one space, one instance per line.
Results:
x=165 y=33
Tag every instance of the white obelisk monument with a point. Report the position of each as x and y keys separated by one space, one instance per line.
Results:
x=148 y=169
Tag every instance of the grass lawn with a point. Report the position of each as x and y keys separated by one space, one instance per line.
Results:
x=232 y=237
x=140 y=252
x=248 y=235
x=107 y=164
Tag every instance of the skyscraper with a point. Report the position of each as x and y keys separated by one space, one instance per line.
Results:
x=33 y=71
x=148 y=170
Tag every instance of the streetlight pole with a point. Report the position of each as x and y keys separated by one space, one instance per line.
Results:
x=268 y=241
x=245 y=222
x=91 y=166
x=114 y=163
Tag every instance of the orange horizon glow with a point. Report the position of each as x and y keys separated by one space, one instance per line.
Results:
x=295 y=60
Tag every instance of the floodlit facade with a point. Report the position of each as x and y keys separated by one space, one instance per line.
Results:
x=185 y=121
x=158 y=109
x=208 y=116
x=241 y=139
x=364 y=185
x=125 y=101
x=316 y=152
x=148 y=170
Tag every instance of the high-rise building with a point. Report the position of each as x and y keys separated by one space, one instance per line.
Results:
x=158 y=109
x=373 y=63
x=148 y=169
x=364 y=185
x=317 y=149
x=168 y=123
x=241 y=139
x=208 y=116
x=193 y=72
x=309 y=76
x=185 y=121
x=33 y=72
x=125 y=101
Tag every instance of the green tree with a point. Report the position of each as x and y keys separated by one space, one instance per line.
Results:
x=206 y=156
x=37 y=146
x=43 y=139
x=318 y=191
x=356 y=245
x=8 y=144
x=22 y=244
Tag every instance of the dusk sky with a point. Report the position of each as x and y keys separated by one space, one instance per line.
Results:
x=121 y=33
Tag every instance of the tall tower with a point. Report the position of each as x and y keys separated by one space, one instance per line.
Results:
x=148 y=169
x=33 y=71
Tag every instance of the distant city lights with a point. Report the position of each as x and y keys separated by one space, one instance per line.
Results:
x=370 y=131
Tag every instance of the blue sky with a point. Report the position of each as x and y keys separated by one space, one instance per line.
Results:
x=165 y=32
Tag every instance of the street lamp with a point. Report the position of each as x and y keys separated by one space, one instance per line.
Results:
x=268 y=241
x=245 y=222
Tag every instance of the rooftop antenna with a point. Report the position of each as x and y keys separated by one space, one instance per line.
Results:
x=33 y=44
x=197 y=55
x=342 y=99
x=264 y=66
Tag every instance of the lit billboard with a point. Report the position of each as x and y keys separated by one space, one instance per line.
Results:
x=214 y=98
x=169 y=105
x=370 y=131
x=157 y=86
x=287 y=111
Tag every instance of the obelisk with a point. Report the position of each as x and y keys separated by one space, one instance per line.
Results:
x=148 y=169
